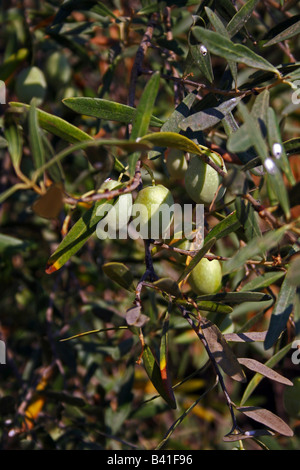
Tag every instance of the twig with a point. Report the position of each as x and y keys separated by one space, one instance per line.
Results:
x=131 y=186
x=139 y=58
x=198 y=332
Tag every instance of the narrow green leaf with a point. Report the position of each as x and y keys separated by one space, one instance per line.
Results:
x=153 y=372
x=175 y=140
x=196 y=259
x=78 y=235
x=220 y=28
x=287 y=33
x=254 y=248
x=262 y=281
x=81 y=5
x=235 y=297
x=293 y=274
x=248 y=219
x=228 y=225
x=223 y=47
x=241 y=17
x=200 y=56
x=253 y=129
x=164 y=364
x=13 y=135
x=56 y=125
x=278 y=187
x=292 y=146
x=274 y=137
x=281 y=313
x=243 y=138
x=209 y=306
x=143 y=113
x=120 y=274
x=105 y=109
x=36 y=144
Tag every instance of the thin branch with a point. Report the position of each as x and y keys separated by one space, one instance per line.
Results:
x=198 y=332
x=139 y=58
x=128 y=188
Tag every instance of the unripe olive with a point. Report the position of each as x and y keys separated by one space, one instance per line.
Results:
x=206 y=277
x=202 y=181
x=291 y=398
x=57 y=69
x=118 y=214
x=31 y=83
x=176 y=164
x=154 y=212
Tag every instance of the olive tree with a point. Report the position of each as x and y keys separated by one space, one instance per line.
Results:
x=117 y=112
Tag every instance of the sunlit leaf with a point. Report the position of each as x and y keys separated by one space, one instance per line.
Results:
x=223 y=47
x=77 y=236
x=263 y=280
x=105 y=109
x=153 y=371
x=36 y=143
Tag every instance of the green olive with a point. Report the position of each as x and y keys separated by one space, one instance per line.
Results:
x=57 y=69
x=176 y=164
x=206 y=277
x=291 y=399
x=118 y=215
x=31 y=83
x=202 y=181
x=154 y=211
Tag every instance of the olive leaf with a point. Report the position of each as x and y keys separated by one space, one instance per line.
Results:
x=134 y=317
x=221 y=351
x=120 y=274
x=267 y=418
